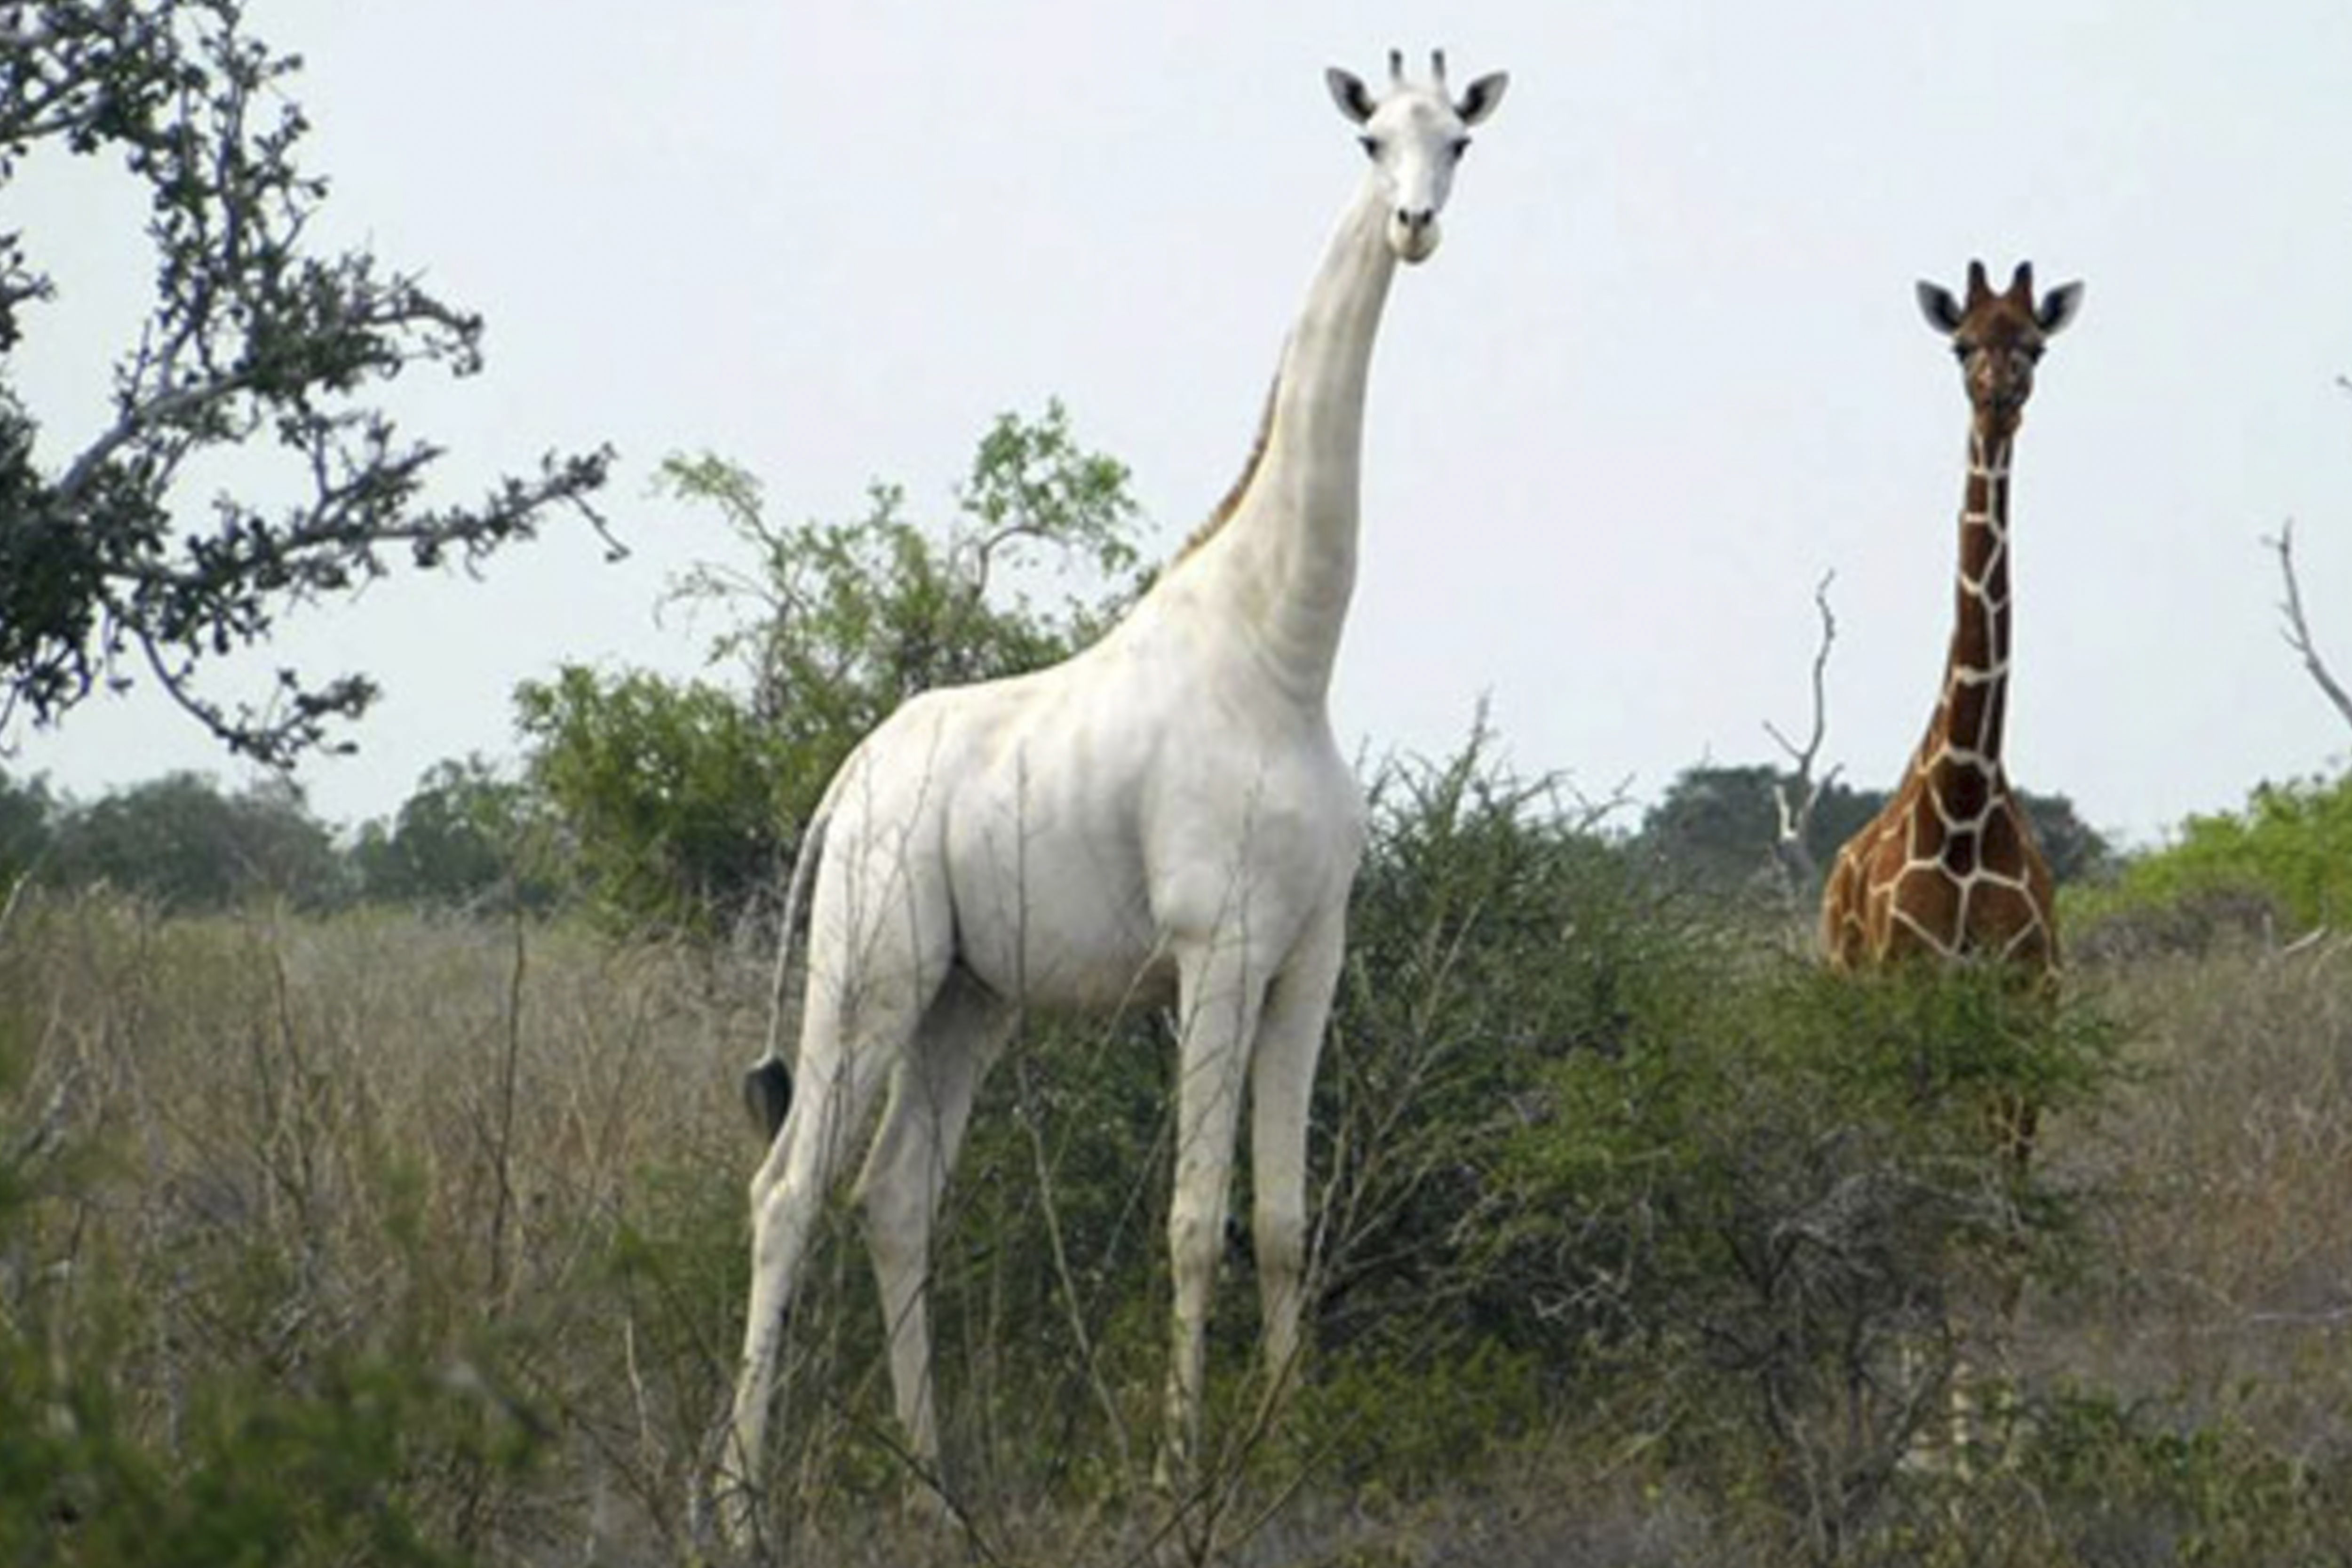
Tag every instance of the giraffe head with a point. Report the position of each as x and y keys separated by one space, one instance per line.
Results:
x=1415 y=135
x=1998 y=338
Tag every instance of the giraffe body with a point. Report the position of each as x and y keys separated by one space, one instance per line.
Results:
x=1163 y=817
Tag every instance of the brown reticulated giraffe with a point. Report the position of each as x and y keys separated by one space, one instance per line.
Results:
x=1949 y=869
x=1948 y=872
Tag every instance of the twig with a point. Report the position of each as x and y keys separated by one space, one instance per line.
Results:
x=16 y=887
x=1066 y=1281
x=502 y=1149
x=2297 y=632
x=1799 y=793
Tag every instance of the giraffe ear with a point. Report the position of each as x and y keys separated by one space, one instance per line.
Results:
x=1479 y=99
x=1348 y=92
x=2058 y=307
x=1935 y=303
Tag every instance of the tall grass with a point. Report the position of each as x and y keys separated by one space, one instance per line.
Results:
x=2219 y=1290
x=267 y=1164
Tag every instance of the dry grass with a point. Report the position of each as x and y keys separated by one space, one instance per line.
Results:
x=2219 y=1277
x=311 y=1144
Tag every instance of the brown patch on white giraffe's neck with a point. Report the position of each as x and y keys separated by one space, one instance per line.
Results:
x=1232 y=498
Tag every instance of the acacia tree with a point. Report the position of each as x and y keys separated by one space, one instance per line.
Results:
x=253 y=340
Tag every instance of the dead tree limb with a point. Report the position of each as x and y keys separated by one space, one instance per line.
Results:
x=2296 y=632
x=1798 y=792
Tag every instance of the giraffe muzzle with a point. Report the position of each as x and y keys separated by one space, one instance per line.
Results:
x=1414 y=234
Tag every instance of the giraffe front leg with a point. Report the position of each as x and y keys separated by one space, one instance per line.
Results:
x=1282 y=1087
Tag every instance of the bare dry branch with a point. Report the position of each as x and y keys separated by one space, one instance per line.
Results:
x=1798 y=794
x=2296 y=632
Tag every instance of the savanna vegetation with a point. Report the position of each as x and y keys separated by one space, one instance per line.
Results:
x=376 y=1196
x=386 y=1232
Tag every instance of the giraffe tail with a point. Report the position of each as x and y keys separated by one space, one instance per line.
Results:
x=768 y=1086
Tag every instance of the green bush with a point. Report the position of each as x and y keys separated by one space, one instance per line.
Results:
x=464 y=838
x=664 y=793
x=2152 y=1481
x=26 y=825
x=1494 y=933
x=1411 y=1421
x=1774 y=1205
x=2289 y=851
x=256 y=1473
x=179 y=841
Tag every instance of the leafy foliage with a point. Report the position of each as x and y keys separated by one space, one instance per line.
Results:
x=835 y=624
x=2289 y=850
x=1493 y=930
x=680 y=800
x=179 y=841
x=665 y=794
x=1715 y=826
x=254 y=342
x=2164 y=1483
x=25 y=827
x=264 y=1474
x=1776 y=1204
x=463 y=835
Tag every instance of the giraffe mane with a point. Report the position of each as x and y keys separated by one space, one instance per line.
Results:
x=1225 y=508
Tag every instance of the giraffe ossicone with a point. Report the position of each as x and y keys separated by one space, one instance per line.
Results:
x=1163 y=817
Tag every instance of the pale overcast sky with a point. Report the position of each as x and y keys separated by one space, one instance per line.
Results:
x=1664 y=373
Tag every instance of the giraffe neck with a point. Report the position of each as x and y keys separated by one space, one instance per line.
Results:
x=1961 y=754
x=1285 y=560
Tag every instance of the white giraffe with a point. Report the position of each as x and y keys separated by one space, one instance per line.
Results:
x=1163 y=814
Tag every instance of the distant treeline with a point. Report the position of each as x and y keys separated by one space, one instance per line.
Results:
x=471 y=836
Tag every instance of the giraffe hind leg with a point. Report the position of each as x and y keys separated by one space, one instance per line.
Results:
x=924 y=1118
x=875 y=986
